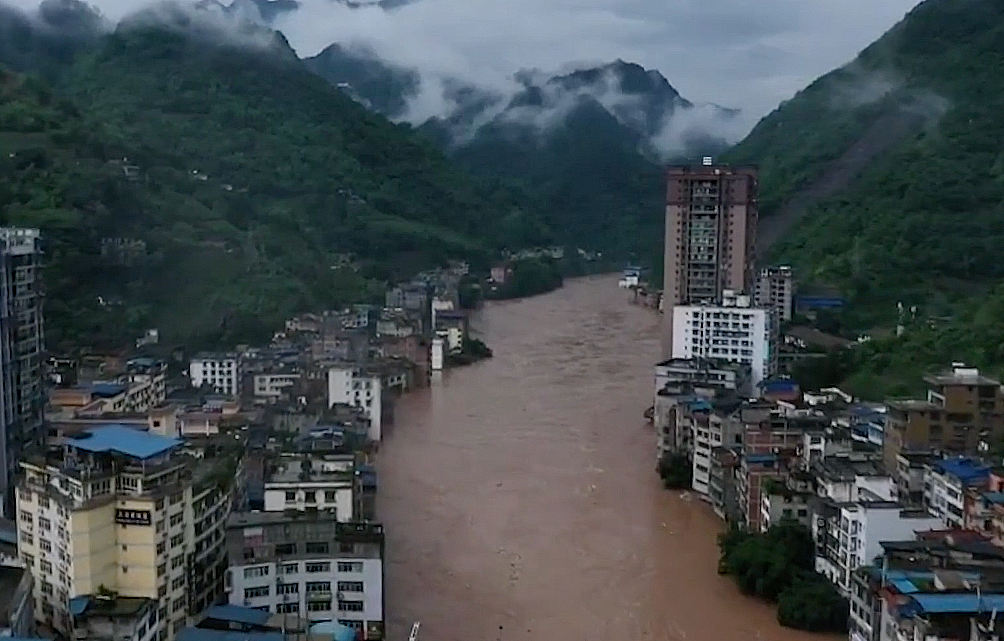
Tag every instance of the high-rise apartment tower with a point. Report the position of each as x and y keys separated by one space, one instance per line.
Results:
x=711 y=223
x=22 y=395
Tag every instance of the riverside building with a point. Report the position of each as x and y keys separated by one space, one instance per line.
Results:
x=114 y=510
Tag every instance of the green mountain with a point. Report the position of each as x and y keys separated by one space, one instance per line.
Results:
x=586 y=148
x=885 y=179
x=211 y=189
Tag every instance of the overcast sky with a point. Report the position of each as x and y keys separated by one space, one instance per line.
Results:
x=750 y=54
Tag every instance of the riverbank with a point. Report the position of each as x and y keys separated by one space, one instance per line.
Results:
x=520 y=491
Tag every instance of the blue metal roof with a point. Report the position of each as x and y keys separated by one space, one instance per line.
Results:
x=958 y=603
x=78 y=605
x=338 y=631
x=237 y=614
x=198 y=634
x=965 y=469
x=106 y=390
x=124 y=440
x=905 y=586
x=997 y=498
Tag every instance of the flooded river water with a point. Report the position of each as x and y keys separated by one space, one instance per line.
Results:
x=520 y=496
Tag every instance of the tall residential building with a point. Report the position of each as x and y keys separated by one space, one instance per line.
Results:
x=710 y=242
x=732 y=331
x=309 y=565
x=222 y=372
x=22 y=394
x=962 y=409
x=775 y=289
x=117 y=510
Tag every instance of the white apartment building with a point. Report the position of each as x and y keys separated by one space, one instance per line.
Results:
x=945 y=484
x=353 y=386
x=733 y=331
x=221 y=371
x=848 y=535
x=122 y=509
x=310 y=566
x=711 y=431
x=271 y=386
x=313 y=482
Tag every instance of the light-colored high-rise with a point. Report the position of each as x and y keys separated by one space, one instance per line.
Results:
x=114 y=510
x=710 y=242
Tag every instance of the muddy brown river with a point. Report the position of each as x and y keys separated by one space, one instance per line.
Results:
x=521 y=501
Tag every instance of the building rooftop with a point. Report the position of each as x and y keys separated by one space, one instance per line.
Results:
x=216 y=356
x=846 y=468
x=909 y=404
x=200 y=634
x=237 y=614
x=960 y=375
x=293 y=470
x=968 y=603
x=122 y=439
x=969 y=471
x=99 y=606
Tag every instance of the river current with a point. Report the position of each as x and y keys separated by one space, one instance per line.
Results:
x=521 y=500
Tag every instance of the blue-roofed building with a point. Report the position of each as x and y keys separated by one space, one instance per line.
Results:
x=118 y=486
x=945 y=485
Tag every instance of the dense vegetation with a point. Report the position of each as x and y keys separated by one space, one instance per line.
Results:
x=777 y=566
x=923 y=221
x=528 y=277
x=248 y=181
x=676 y=471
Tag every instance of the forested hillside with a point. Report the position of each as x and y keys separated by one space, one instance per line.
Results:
x=920 y=220
x=247 y=179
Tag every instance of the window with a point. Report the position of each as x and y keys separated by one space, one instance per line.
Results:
x=45 y=545
x=319 y=567
x=44 y=523
x=260 y=570
x=287 y=608
x=177 y=498
x=27 y=538
x=177 y=561
x=43 y=502
x=178 y=604
x=251 y=593
x=350 y=566
x=350 y=586
x=330 y=496
x=290 y=568
x=288 y=588
x=319 y=606
x=178 y=583
x=285 y=548
x=176 y=519
x=318 y=586
x=317 y=547
x=160 y=547
x=346 y=548
x=291 y=497
x=161 y=569
x=177 y=540
x=350 y=606
x=25 y=516
x=29 y=560
x=160 y=525
x=46 y=566
x=310 y=497
x=46 y=588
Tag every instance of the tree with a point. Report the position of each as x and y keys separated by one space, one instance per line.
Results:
x=676 y=471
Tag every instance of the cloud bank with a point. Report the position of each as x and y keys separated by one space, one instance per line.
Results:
x=748 y=54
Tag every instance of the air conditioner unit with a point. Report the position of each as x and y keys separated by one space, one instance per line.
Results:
x=340 y=596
